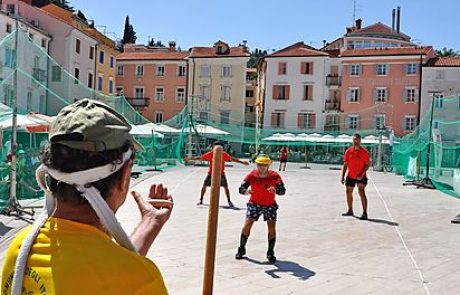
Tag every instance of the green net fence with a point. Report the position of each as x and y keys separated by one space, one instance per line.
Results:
x=43 y=86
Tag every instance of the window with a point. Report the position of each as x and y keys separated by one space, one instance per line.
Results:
x=140 y=70
x=139 y=92
x=204 y=116
x=180 y=94
x=159 y=94
x=220 y=50
x=112 y=62
x=249 y=93
x=411 y=69
x=10 y=57
x=36 y=62
x=77 y=45
x=204 y=92
x=205 y=71
x=181 y=71
x=110 y=86
x=100 y=82
x=307 y=121
x=282 y=68
x=160 y=71
x=158 y=117
x=90 y=80
x=381 y=69
x=56 y=74
x=226 y=71
x=307 y=92
x=225 y=117
x=353 y=95
x=42 y=107
x=353 y=122
x=354 y=70
x=120 y=70
x=306 y=68
x=31 y=36
x=76 y=75
x=101 y=57
x=119 y=90
x=225 y=93
x=10 y=8
x=380 y=94
x=91 y=52
x=410 y=94
x=281 y=92
x=278 y=120
x=29 y=101
x=438 y=102
x=379 y=122
x=9 y=28
x=409 y=123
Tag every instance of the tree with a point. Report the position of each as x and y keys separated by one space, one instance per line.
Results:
x=154 y=43
x=256 y=55
x=129 y=35
x=61 y=3
x=445 y=52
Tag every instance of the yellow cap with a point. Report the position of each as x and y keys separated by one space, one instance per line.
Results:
x=263 y=160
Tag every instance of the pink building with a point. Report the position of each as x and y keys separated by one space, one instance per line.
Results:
x=154 y=80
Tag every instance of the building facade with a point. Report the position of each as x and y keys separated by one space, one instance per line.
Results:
x=154 y=80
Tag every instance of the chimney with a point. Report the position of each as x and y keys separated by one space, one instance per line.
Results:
x=398 y=20
x=172 y=45
x=393 y=20
x=358 y=24
x=324 y=43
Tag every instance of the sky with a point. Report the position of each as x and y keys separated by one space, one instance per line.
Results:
x=269 y=24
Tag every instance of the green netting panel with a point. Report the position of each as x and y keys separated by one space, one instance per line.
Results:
x=443 y=139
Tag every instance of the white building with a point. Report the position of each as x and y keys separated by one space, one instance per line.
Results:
x=31 y=96
x=441 y=77
x=70 y=49
x=295 y=88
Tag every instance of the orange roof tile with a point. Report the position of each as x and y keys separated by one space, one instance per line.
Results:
x=450 y=61
x=211 y=52
x=389 y=51
x=159 y=55
x=378 y=28
x=298 y=49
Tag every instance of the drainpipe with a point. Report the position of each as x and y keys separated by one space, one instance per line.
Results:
x=420 y=90
x=95 y=70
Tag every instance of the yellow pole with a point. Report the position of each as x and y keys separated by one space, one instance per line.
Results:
x=211 y=237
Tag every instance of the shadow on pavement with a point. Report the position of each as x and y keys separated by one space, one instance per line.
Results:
x=284 y=266
x=375 y=220
x=221 y=207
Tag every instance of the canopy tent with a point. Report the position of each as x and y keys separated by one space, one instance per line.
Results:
x=162 y=128
x=206 y=130
x=317 y=138
x=144 y=131
x=25 y=123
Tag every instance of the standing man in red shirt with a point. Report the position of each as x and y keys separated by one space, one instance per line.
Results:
x=265 y=184
x=223 y=182
x=356 y=162
x=283 y=158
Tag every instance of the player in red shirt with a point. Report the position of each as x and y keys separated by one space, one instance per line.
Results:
x=223 y=182
x=356 y=162
x=283 y=158
x=265 y=184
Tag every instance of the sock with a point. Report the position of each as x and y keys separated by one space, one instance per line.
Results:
x=271 y=245
x=243 y=241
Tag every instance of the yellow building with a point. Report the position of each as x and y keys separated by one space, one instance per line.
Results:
x=217 y=82
x=103 y=54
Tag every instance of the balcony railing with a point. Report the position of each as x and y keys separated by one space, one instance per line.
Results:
x=332 y=105
x=39 y=74
x=333 y=80
x=138 y=102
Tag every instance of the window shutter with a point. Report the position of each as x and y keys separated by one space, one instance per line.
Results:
x=358 y=122
x=300 y=121
x=282 y=115
x=406 y=68
x=387 y=94
x=416 y=95
x=310 y=92
x=273 y=122
x=312 y=122
x=348 y=95
x=359 y=94
x=303 y=68
x=387 y=66
x=280 y=68
x=360 y=69
x=404 y=96
x=377 y=69
x=349 y=70
x=287 y=91
x=275 y=92
x=311 y=69
x=375 y=94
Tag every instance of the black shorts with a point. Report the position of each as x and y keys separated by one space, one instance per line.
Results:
x=223 y=181
x=254 y=211
x=351 y=182
x=283 y=160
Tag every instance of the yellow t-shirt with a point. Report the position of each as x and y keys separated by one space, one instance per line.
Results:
x=75 y=258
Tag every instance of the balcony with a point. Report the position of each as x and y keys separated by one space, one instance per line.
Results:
x=332 y=105
x=333 y=80
x=251 y=82
x=39 y=74
x=138 y=102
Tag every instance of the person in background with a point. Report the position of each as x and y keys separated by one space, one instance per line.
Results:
x=284 y=152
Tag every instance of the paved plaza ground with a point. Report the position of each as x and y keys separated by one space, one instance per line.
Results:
x=408 y=246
